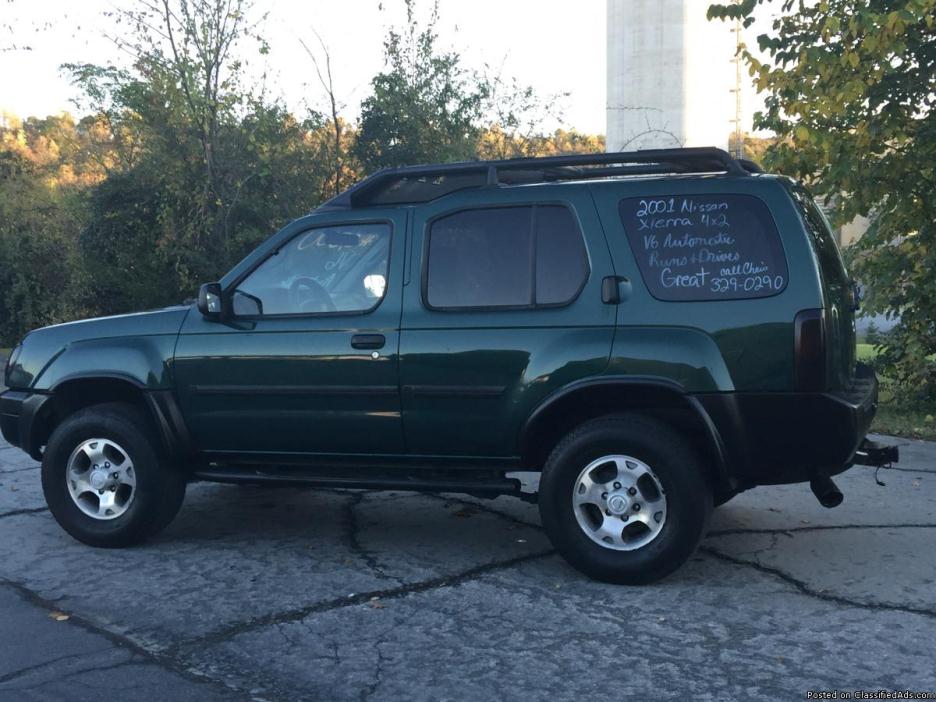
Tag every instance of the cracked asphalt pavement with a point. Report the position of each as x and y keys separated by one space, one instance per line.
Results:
x=282 y=594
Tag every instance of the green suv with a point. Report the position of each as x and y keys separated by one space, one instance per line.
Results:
x=652 y=332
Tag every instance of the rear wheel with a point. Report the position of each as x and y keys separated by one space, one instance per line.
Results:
x=624 y=499
x=103 y=480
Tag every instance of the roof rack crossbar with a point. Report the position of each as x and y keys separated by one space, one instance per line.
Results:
x=550 y=168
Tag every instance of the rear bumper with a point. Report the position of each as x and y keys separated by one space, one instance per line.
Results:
x=774 y=438
x=19 y=411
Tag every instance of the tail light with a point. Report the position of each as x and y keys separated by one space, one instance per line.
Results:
x=809 y=351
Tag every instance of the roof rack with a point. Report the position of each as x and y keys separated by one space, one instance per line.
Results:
x=412 y=184
x=750 y=166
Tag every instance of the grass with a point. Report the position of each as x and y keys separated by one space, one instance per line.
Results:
x=866 y=352
x=895 y=415
x=904 y=421
x=898 y=417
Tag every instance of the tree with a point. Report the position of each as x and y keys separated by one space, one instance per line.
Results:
x=425 y=108
x=496 y=143
x=10 y=35
x=850 y=92
x=41 y=181
x=753 y=148
x=338 y=151
x=179 y=167
x=515 y=115
x=214 y=169
x=178 y=100
x=190 y=42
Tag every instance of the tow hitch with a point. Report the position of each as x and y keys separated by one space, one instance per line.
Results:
x=876 y=455
x=871 y=453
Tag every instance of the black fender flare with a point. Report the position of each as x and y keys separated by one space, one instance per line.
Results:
x=655 y=390
x=161 y=404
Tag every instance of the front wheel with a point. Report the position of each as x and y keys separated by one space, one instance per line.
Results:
x=103 y=480
x=625 y=499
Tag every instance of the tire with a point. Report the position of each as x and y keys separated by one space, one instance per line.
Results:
x=676 y=476
x=148 y=506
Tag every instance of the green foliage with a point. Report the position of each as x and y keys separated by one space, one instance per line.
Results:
x=179 y=168
x=40 y=207
x=850 y=95
x=217 y=167
x=753 y=148
x=899 y=413
x=865 y=352
x=915 y=422
x=425 y=107
x=32 y=232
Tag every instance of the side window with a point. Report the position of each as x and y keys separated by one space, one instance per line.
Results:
x=705 y=247
x=561 y=261
x=505 y=257
x=830 y=258
x=481 y=258
x=326 y=270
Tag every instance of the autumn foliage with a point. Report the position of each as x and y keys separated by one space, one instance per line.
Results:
x=180 y=166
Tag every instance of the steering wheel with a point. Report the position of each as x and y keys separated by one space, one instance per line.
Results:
x=304 y=291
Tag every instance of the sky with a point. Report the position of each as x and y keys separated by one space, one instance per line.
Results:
x=556 y=46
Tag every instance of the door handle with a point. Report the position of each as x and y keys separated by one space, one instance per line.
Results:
x=615 y=289
x=368 y=341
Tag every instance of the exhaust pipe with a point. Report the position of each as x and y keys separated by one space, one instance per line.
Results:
x=826 y=491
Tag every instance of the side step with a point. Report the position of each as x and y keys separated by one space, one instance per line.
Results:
x=477 y=483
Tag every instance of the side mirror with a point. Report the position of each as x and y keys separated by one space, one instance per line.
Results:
x=209 y=301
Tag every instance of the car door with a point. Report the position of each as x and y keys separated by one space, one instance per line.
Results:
x=508 y=309
x=306 y=361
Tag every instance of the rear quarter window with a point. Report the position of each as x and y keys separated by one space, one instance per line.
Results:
x=705 y=247
x=830 y=258
x=526 y=256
